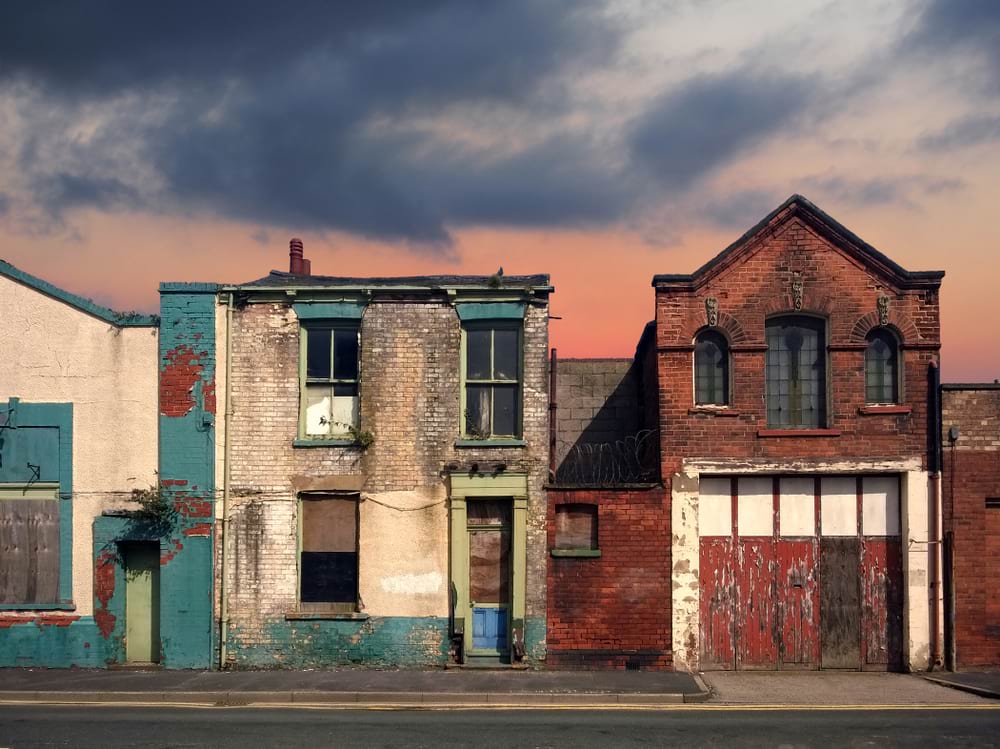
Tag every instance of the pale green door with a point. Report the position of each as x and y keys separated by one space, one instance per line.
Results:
x=142 y=602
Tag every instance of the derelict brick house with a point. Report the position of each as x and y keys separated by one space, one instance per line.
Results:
x=796 y=373
x=382 y=469
x=794 y=376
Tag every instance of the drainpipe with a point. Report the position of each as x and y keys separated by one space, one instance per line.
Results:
x=224 y=602
x=552 y=417
x=937 y=519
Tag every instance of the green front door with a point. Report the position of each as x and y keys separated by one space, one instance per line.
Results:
x=142 y=602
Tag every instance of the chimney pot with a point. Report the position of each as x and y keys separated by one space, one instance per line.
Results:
x=297 y=265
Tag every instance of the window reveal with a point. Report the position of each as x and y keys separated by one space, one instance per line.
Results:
x=881 y=368
x=331 y=381
x=796 y=373
x=711 y=370
x=492 y=381
x=328 y=563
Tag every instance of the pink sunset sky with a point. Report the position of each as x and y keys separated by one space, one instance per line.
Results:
x=600 y=142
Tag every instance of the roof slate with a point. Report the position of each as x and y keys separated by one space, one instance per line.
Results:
x=280 y=279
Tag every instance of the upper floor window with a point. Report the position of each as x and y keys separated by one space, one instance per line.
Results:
x=491 y=373
x=796 y=372
x=881 y=367
x=711 y=369
x=329 y=376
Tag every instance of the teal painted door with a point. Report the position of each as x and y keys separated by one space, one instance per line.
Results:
x=489 y=575
x=142 y=602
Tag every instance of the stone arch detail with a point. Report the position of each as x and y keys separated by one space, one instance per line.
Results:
x=726 y=324
x=904 y=328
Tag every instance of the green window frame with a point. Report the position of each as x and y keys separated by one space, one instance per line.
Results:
x=328 y=554
x=492 y=363
x=329 y=379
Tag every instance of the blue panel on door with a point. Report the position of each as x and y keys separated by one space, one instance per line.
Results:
x=489 y=629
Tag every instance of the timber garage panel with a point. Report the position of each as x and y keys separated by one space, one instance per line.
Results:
x=800 y=572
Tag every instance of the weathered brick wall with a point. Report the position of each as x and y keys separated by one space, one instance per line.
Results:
x=613 y=611
x=834 y=287
x=971 y=474
x=409 y=390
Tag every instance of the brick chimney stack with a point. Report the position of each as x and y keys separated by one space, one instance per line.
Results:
x=297 y=264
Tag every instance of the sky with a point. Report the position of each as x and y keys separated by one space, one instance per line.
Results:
x=599 y=141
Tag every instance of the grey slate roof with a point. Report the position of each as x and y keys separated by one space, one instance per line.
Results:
x=280 y=279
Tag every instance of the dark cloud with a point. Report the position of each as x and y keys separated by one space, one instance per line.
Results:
x=740 y=209
x=903 y=191
x=968 y=131
x=710 y=120
x=4 y=204
x=300 y=114
x=970 y=27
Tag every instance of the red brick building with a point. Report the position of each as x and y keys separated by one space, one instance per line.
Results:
x=789 y=381
x=971 y=489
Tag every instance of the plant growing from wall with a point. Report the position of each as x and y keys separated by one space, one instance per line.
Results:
x=154 y=508
x=363 y=438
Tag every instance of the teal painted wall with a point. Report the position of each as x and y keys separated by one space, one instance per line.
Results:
x=377 y=642
x=51 y=641
x=187 y=356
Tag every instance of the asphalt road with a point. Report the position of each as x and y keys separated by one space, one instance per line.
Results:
x=244 y=728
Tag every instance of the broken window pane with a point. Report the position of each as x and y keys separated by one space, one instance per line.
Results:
x=505 y=409
x=345 y=354
x=318 y=352
x=477 y=410
x=505 y=354
x=478 y=354
x=318 y=410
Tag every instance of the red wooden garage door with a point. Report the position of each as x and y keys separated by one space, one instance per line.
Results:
x=800 y=572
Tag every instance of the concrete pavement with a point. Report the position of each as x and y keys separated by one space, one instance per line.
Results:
x=468 y=688
x=983 y=683
x=352 y=687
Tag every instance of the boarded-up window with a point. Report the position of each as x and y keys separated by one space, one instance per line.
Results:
x=328 y=565
x=576 y=526
x=29 y=545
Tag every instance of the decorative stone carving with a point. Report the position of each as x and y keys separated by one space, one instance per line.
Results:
x=712 y=310
x=883 y=310
x=797 y=293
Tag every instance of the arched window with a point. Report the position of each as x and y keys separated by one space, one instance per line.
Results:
x=711 y=369
x=881 y=367
x=796 y=372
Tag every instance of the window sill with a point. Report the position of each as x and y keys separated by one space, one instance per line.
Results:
x=350 y=616
x=874 y=410
x=68 y=606
x=576 y=553
x=798 y=432
x=325 y=443
x=714 y=411
x=499 y=442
